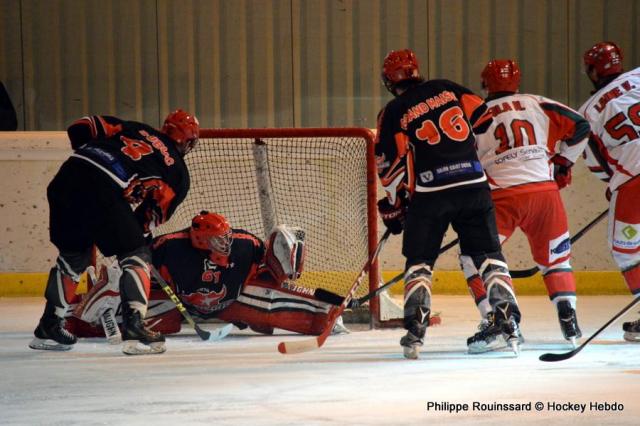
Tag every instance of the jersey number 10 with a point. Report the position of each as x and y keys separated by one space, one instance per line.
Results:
x=522 y=132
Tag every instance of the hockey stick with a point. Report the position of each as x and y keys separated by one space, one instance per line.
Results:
x=549 y=357
x=525 y=273
x=306 y=345
x=217 y=334
x=357 y=302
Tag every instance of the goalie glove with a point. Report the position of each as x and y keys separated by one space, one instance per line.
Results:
x=285 y=253
x=561 y=171
x=392 y=216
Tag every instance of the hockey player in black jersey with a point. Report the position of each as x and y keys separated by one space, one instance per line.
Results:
x=116 y=165
x=220 y=272
x=428 y=166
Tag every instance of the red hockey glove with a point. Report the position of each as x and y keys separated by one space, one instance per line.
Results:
x=393 y=217
x=561 y=171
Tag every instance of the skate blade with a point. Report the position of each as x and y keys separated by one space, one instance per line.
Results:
x=135 y=347
x=410 y=352
x=515 y=346
x=631 y=337
x=48 y=345
x=479 y=348
x=573 y=342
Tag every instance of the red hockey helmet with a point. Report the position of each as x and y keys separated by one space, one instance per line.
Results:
x=183 y=128
x=501 y=75
x=398 y=66
x=605 y=58
x=211 y=232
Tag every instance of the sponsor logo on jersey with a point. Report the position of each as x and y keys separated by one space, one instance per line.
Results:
x=204 y=300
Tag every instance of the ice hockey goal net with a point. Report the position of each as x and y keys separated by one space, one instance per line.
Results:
x=322 y=180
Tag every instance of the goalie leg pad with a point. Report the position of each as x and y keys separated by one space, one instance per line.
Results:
x=263 y=308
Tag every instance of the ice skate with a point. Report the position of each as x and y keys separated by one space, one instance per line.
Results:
x=507 y=318
x=50 y=334
x=411 y=345
x=497 y=332
x=137 y=339
x=568 y=322
x=631 y=331
x=488 y=338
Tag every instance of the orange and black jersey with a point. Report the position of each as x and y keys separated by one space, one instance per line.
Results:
x=425 y=139
x=141 y=160
x=203 y=286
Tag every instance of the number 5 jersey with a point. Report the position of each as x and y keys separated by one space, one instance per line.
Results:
x=613 y=152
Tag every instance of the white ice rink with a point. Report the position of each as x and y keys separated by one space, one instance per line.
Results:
x=360 y=378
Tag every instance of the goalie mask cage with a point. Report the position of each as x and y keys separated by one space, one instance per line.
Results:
x=320 y=179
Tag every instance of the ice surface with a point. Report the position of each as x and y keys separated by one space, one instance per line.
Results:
x=359 y=378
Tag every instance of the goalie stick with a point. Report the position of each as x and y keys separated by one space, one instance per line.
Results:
x=217 y=334
x=306 y=345
x=549 y=357
x=523 y=273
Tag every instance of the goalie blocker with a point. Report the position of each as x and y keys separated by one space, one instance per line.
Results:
x=218 y=272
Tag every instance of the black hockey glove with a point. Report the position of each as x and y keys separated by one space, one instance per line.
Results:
x=392 y=216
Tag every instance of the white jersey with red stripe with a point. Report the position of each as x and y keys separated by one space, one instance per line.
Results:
x=613 y=153
x=526 y=131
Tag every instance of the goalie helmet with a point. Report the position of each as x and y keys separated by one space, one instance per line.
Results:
x=501 y=75
x=285 y=253
x=183 y=128
x=399 y=66
x=211 y=232
x=605 y=58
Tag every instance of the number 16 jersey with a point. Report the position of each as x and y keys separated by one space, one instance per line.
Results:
x=425 y=140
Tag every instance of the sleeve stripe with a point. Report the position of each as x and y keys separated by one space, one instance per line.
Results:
x=581 y=126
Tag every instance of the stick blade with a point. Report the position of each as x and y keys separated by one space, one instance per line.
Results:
x=204 y=335
x=298 y=346
x=549 y=357
x=220 y=333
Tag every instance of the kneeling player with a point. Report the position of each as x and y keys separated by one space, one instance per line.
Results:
x=218 y=272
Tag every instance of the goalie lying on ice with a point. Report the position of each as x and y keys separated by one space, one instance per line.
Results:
x=217 y=272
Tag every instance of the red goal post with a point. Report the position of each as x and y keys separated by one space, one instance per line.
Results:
x=320 y=179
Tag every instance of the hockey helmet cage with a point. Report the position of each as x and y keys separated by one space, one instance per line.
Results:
x=399 y=66
x=605 y=58
x=212 y=232
x=501 y=75
x=285 y=253
x=183 y=128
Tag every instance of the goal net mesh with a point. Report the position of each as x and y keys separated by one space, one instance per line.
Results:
x=317 y=183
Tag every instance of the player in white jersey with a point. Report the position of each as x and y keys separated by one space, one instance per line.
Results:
x=527 y=155
x=613 y=154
